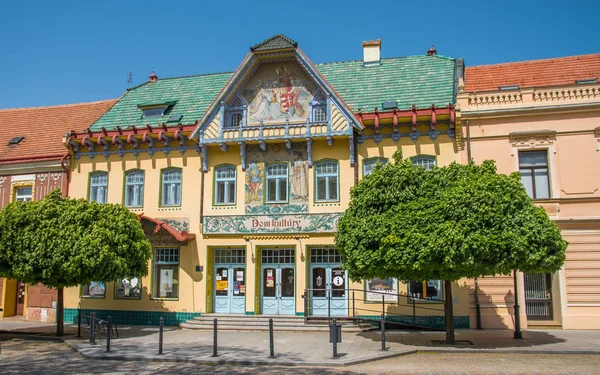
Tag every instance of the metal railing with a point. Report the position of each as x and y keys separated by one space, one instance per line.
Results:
x=100 y=326
x=374 y=311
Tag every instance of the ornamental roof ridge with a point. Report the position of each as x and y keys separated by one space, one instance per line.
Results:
x=59 y=105
x=273 y=43
x=383 y=58
x=535 y=61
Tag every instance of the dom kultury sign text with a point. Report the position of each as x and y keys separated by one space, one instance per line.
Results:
x=243 y=224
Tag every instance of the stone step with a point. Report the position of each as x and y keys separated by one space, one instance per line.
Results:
x=265 y=328
x=228 y=323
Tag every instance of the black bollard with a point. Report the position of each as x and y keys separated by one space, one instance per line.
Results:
x=92 y=327
x=383 y=348
x=271 y=344
x=108 y=334
x=160 y=335
x=79 y=322
x=335 y=338
x=214 y=337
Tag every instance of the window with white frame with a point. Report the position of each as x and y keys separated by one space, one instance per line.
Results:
x=171 y=187
x=326 y=175
x=24 y=194
x=234 y=113
x=533 y=166
x=319 y=107
x=424 y=161
x=134 y=189
x=277 y=183
x=166 y=272
x=369 y=165
x=225 y=185
x=99 y=187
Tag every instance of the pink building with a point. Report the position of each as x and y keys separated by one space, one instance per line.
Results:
x=542 y=118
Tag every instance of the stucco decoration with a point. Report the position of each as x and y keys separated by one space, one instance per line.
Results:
x=180 y=223
x=296 y=159
x=245 y=224
x=17 y=184
x=278 y=92
x=535 y=139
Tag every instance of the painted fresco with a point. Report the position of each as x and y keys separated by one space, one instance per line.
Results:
x=297 y=159
x=278 y=92
x=245 y=224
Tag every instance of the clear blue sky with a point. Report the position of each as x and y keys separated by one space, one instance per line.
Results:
x=74 y=51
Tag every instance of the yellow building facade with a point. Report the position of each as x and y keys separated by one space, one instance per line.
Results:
x=239 y=180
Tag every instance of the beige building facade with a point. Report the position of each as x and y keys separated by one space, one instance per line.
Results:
x=542 y=119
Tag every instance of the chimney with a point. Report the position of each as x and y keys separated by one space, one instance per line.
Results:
x=153 y=77
x=372 y=52
x=432 y=51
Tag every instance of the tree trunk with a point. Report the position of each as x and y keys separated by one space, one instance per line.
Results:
x=449 y=313
x=60 y=326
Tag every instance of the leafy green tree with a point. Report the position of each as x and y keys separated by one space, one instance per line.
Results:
x=62 y=242
x=448 y=223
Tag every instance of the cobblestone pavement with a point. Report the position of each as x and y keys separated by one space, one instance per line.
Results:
x=42 y=357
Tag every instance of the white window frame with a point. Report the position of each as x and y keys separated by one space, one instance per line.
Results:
x=173 y=187
x=372 y=162
x=425 y=161
x=137 y=200
x=327 y=176
x=166 y=256
x=24 y=197
x=279 y=179
x=226 y=182
x=99 y=189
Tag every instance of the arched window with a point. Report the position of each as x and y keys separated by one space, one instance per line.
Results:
x=225 y=185
x=369 y=165
x=327 y=176
x=234 y=113
x=171 y=187
x=134 y=188
x=319 y=107
x=98 y=187
x=277 y=183
x=424 y=161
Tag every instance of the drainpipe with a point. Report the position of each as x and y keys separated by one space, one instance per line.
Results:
x=476 y=279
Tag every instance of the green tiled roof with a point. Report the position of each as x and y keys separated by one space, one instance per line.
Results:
x=278 y=41
x=412 y=80
x=192 y=94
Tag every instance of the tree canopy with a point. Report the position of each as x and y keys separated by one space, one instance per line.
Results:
x=62 y=242
x=447 y=223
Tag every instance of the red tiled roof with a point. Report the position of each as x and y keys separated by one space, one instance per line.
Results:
x=44 y=127
x=533 y=73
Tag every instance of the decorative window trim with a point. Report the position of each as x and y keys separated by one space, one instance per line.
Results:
x=537 y=141
x=160 y=192
x=89 y=192
x=316 y=176
x=20 y=184
x=266 y=183
x=125 y=186
x=376 y=159
x=215 y=180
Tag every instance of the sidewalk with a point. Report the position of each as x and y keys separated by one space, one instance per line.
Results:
x=252 y=348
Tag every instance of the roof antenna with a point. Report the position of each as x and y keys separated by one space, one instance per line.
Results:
x=129 y=78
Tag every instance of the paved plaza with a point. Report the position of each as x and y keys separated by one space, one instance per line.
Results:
x=407 y=351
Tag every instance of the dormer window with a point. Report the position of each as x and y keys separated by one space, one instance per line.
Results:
x=150 y=110
x=234 y=113
x=154 y=112
x=319 y=107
